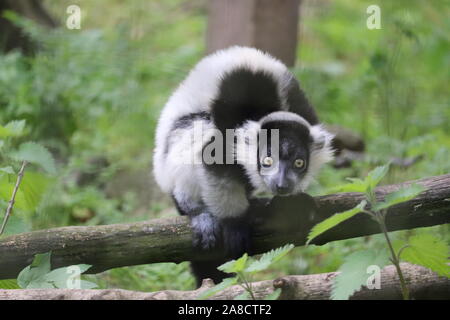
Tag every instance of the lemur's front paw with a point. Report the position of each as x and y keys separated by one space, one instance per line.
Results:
x=206 y=231
x=292 y=213
x=236 y=237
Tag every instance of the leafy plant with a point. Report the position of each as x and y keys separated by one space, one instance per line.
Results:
x=244 y=268
x=353 y=273
x=25 y=192
x=39 y=275
x=9 y=284
x=425 y=250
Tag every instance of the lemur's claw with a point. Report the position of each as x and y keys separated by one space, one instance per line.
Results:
x=206 y=229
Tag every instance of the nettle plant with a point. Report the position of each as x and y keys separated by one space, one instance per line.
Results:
x=21 y=193
x=421 y=249
x=39 y=275
x=244 y=268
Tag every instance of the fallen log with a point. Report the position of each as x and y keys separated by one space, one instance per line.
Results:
x=169 y=240
x=423 y=284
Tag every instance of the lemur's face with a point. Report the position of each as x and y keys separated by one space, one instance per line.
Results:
x=283 y=165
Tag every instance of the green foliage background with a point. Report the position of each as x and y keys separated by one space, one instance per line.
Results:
x=96 y=93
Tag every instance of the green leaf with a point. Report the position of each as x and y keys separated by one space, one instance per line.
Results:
x=274 y=295
x=12 y=129
x=334 y=220
x=60 y=277
x=38 y=275
x=228 y=282
x=36 y=154
x=6 y=187
x=4 y=133
x=87 y=284
x=16 y=225
x=30 y=192
x=9 y=284
x=16 y=127
x=356 y=185
x=426 y=250
x=33 y=187
x=8 y=170
x=33 y=275
x=353 y=273
x=268 y=258
x=374 y=177
x=367 y=185
x=377 y=174
x=40 y=284
x=66 y=272
x=25 y=277
x=399 y=196
x=42 y=262
x=234 y=265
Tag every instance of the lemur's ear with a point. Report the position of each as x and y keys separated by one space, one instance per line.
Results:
x=321 y=137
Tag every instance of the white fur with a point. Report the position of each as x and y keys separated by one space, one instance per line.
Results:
x=284 y=116
x=188 y=180
x=321 y=153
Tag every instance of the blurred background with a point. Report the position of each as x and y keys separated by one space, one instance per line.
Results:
x=92 y=96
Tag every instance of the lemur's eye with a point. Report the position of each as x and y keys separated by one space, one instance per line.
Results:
x=267 y=162
x=299 y=163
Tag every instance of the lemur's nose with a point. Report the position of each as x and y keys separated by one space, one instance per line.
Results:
x=283 y=189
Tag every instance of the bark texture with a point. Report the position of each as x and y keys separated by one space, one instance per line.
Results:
x=169 y=240
x=265 y=24
x=423 y=284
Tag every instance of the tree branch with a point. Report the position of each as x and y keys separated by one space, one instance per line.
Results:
x=423 y=284
x=169 y=240
x=13 y=197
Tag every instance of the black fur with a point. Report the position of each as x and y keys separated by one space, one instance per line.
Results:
x=289 y=213
x=236 y=235
x=208 y=269
x=228 y=169
x=244 y=95
x=298 y=103
x=248 y=95
x=228 y=238
x=294 y=137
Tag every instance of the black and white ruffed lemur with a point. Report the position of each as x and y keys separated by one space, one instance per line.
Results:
x=246 y=90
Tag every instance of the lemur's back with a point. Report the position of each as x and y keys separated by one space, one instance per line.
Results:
x=224 y=90
x=193 y=101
